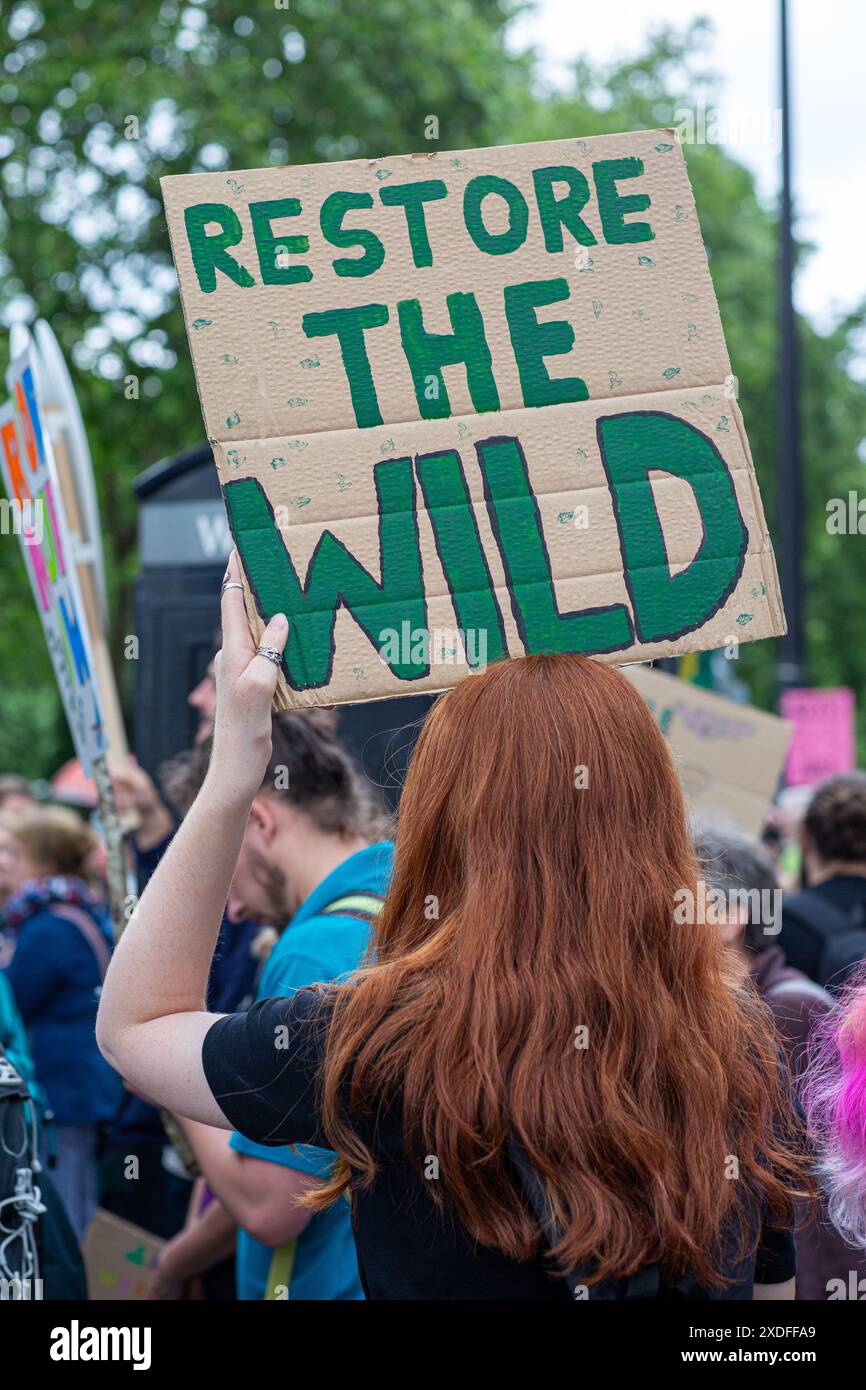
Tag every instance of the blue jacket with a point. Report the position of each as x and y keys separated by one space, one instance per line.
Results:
x=55 y=977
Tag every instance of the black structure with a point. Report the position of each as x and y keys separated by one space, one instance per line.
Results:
x=791 y=660
x=184 y=543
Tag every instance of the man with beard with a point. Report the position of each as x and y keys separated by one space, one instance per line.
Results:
x=313 y=865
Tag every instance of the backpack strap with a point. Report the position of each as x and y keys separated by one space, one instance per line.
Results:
x=642 y=1285
x=280 y=1270
x=21 y=1206
x=365 y=906
x=533 y=1191
x=89 y=930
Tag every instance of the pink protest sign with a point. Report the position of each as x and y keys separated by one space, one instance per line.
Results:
x=823 y=742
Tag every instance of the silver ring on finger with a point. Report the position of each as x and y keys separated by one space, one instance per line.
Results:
x=272 y=653
x=230 y=585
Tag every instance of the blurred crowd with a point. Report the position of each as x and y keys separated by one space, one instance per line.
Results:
x=312 y=876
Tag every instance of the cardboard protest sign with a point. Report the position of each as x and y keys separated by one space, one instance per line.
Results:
x=729 y=755
x=824 y=742
x=35 y=506
x=470 y=404
x=119 y=1258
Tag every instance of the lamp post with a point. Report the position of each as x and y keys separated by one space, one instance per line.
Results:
x=791 y=669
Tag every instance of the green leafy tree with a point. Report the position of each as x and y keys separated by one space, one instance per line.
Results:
x=741 y=236
x=102 y=100
x=98 y=102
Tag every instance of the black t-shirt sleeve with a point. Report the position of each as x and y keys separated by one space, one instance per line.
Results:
x=263 y=1068
x=776 y=1257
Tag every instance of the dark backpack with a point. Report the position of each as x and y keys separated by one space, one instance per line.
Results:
x=39 y=1255
x=20 y=1203
x=840 y=935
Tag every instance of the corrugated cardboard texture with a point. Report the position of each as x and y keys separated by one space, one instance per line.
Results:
x=639 y=326
x=729 y=756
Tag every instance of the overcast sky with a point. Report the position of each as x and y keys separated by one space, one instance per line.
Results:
x=827 y=47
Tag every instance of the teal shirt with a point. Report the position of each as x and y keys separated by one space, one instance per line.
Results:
x=321 y=1262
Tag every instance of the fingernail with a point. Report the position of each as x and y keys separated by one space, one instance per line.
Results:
x=281 y=620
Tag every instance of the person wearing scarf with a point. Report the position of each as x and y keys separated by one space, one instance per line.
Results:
x=55 y=951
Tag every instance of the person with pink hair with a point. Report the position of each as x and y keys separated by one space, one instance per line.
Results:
x=835 y=1098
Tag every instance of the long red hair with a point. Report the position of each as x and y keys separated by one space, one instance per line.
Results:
x=528 y=977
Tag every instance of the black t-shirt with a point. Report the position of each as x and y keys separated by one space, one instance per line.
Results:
x=262 y=1067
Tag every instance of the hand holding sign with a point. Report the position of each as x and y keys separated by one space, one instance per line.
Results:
x=246 y=679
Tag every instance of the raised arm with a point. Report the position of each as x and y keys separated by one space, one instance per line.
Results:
x=152 y=1022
